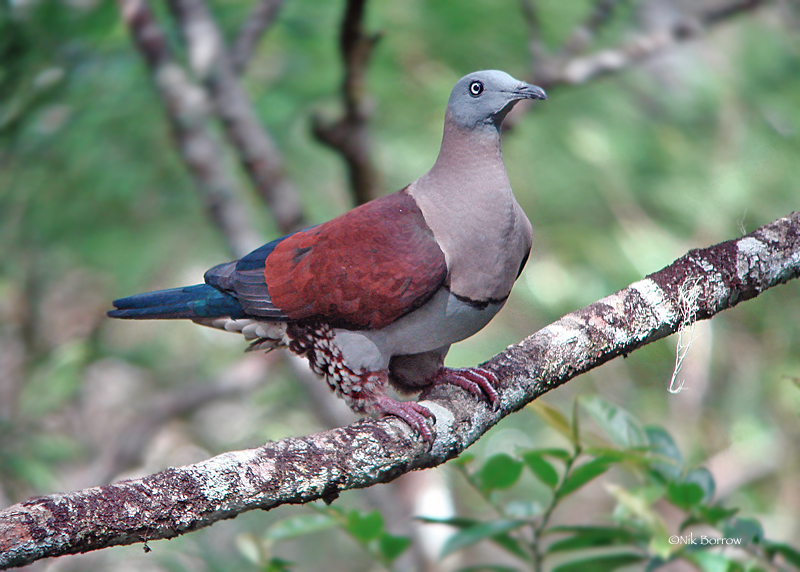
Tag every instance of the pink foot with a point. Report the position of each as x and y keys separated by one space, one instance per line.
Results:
x=409 y=411
x=478 y=381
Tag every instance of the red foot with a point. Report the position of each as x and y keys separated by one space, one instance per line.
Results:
x=411 y=412
x=478 y=381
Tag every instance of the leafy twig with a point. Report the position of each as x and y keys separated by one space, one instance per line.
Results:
x=538 y=530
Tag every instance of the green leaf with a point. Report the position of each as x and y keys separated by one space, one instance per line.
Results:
x=709 y=515
x=657 y=562
x=635 y=505
x=702 y=477
x=543 y=470
x=488 y=568
x=456 y=521
x=791 y=555
x=482 y=531
x=299 y=525
x=554 y=418
x=499 y=472
x=503 y=540
x=583 y=475
x=510 y=544
x=749 y=530
x=684 y=495
x=278 y=565
x=464 y=459
x=554 y=452
x=594 y=537
x=638 y=457
x=711 y=561
x=392 y=546
x=620 y=426
x=364 y=527
x=667 y=461
x=713 y=514
x=602 y=563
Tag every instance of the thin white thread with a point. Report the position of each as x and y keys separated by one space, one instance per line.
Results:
x=688 y=294
x=742 y=228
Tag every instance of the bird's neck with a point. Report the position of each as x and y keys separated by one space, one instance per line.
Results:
x=469 y=159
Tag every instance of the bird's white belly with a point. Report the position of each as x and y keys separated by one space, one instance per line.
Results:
x=442 y=321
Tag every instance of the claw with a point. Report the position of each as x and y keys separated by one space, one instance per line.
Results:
x=411 y=412
x=477 y=380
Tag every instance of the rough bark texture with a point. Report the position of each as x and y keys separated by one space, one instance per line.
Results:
x=299 y=470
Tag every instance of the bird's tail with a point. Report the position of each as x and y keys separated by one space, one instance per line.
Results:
x=190 y=302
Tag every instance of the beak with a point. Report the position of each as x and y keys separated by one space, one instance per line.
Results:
x=528 y=91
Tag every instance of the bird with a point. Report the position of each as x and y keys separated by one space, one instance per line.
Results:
x=376 y=296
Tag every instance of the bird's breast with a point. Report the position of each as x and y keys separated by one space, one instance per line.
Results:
x=444 y=320
x=484 y=235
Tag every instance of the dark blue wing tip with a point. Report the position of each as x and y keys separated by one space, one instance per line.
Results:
x=189 y=302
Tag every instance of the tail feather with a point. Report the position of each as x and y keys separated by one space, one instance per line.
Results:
x=189 y=302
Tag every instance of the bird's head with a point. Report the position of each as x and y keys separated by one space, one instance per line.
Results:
x=483 y=98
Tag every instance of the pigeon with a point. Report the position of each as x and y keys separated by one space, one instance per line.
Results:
x=375 y=297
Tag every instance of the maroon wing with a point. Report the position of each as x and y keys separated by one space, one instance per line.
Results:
x=364 y=269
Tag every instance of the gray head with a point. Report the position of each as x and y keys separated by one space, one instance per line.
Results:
x=483 y=98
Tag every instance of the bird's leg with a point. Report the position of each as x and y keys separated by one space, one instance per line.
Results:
x=411 y=412
x=365 y=394
x=477 y=380
x=362 y=390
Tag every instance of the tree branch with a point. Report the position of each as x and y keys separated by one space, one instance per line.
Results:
x=257 y=152
x=259 y=20
x=186 y=109
x=577 y=70
x=536 y=48
x=320 y=466
x=584 y=33
x=565 y=68
x=349 y=135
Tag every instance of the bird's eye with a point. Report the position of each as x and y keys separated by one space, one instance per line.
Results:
x=475 y=88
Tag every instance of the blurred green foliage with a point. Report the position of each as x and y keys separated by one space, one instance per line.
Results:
x=636 y=531
x=618 y=176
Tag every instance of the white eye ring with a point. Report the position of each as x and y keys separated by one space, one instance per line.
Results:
x=475 y=88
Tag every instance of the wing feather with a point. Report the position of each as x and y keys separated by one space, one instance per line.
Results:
x=364 y=269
